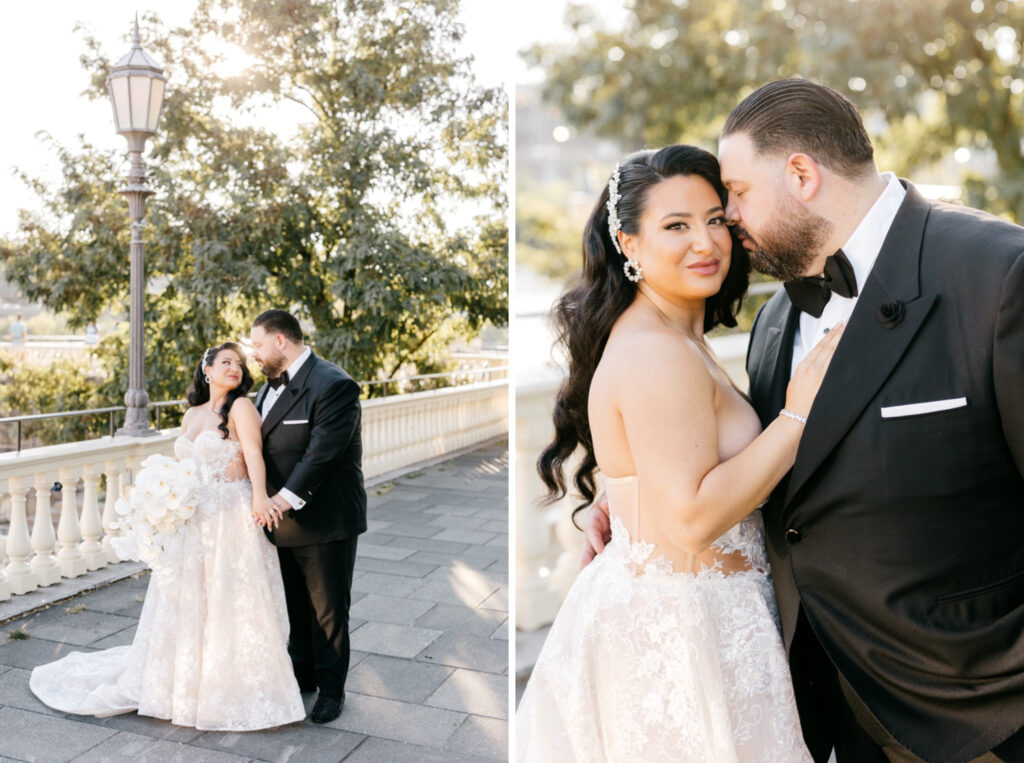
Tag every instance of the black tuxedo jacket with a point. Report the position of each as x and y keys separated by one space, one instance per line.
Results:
x=903 y=537
x=312 y=446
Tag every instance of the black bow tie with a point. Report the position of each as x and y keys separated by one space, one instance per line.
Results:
x=811 y=294
x=278 y=381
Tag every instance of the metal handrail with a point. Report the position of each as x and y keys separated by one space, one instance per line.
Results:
x=158 y=406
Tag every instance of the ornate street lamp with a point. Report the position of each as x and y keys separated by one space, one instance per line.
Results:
x=136 y=84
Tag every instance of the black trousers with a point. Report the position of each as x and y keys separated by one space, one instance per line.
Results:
x=318 y=590
x=831 y=715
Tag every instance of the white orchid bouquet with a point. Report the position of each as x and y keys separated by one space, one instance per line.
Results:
x=152 y=520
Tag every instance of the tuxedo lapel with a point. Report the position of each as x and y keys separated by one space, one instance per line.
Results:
x=260 y=397
x=869 y=350
x=768 y=384
x=291 y=394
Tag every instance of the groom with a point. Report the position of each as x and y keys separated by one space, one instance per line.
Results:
x=897 y=540
x=312 y=448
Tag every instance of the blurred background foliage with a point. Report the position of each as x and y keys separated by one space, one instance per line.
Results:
x=380 y=220
x=940 y=85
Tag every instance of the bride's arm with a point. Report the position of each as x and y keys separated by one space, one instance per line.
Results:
x=246 y=419
x=667 y=407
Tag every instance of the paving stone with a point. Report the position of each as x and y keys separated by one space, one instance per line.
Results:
x=501 y=539
x=392 y=678
x=406 y=530
x=456 y=535
x=498 y=514
x=453 y=618
x=296 y=742
x=375 y=750
x=480 y=737
x=450 y=510
x=464 y=523
x=388 y=585
x=405 y=569
x=30 y=652
x=430 y=544
x=35 y=736
x=468 y=575
x=393 y=640
x=14 y=692
x=497 y=600
x=373 y=551
x=496 y=525
x=135 y=747
x=470 y=593
x=121 y=638
x=389 y=609
x=400 y=721
x=470 y=691
x=374 y=525
x=143 y=725
x=501 y=632
x=81 y=628
x=473 y=652
x=114 y=600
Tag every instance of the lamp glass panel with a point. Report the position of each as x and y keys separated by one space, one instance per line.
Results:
x=119 y=92
x=139 y=89
x=156 y=99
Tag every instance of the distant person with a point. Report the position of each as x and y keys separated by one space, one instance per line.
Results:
x=17 y=332
x=92 y=336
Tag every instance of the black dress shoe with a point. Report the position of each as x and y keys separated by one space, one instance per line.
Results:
x=327 y=708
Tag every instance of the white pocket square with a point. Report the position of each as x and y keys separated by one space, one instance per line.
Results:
x=917 y=409
x=296 y=421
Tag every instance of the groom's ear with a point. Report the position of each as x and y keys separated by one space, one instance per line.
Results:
x=803 y=176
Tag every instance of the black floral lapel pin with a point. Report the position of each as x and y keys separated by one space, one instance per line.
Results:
x=890 y=314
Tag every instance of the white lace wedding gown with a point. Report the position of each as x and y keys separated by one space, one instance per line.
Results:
x=210 y=650
x=647 y=663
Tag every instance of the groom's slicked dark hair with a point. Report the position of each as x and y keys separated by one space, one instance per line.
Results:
x=798 y=116
x=280 y=322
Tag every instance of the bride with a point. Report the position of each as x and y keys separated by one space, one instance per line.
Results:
x=210 y=650
x=667 y=646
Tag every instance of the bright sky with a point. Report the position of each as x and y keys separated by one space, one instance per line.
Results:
x=43 y=79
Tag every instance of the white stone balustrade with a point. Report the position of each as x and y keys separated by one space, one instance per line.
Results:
x=397 y=432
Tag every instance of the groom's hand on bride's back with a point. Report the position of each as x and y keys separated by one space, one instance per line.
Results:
x=597 y=530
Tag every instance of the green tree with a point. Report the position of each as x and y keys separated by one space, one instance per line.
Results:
x=356 y=221
x=937 y=75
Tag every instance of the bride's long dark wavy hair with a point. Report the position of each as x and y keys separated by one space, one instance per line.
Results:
x=199 y=392
x=585 y=314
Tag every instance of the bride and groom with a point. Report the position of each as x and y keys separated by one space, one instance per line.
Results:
x=874 y=604
x=257 y=611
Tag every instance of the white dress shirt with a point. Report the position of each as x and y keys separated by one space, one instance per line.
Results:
x=862 y=250
x=268 y=403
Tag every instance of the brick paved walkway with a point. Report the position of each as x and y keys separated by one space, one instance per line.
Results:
x=429 y=676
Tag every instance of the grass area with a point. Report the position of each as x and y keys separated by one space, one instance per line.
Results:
x=17 y=635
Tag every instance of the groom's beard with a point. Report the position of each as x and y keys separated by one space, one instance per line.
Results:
x=788 y=246
x=272 y=367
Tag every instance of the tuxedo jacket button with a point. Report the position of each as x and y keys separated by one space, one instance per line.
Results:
x=793 y=535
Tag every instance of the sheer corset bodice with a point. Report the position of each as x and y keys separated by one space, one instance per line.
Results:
x=640 y=542
x=216 y=459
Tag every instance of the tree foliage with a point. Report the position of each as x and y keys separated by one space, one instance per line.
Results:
x=355 y=220
x=931 y=77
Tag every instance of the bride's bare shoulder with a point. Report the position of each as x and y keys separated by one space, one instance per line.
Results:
x=647 y=355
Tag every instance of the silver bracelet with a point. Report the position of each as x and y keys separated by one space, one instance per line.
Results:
x=795 y=416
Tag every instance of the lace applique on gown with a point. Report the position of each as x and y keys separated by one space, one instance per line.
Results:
x=646 y=663
x=210 y=651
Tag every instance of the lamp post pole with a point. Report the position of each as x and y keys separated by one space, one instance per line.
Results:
x=136 y=84
x=136 y=399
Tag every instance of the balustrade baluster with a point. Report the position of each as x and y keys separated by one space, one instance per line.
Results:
x=92 y=527
x=44 y=565
x=69 y=531
x=113 y=470
x=20 y=577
